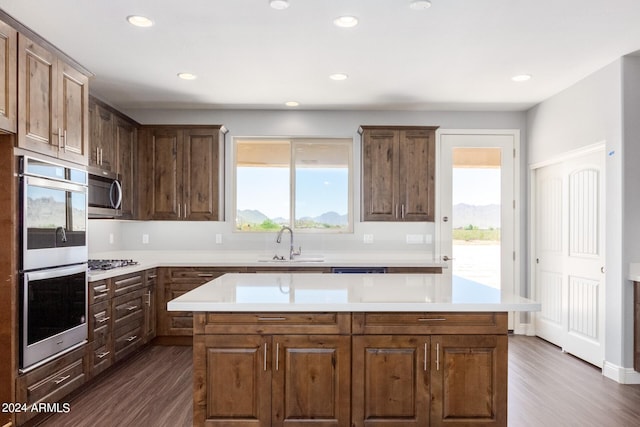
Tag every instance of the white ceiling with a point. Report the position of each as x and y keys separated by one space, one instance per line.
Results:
x=456 y=55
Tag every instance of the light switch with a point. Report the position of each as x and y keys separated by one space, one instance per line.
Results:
x=145 y=239
x=367 y=238
x=218 y=239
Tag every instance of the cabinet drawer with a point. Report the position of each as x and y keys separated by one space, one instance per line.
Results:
x=272 y=323
x=429 y=323
x=99 y=320
x=128 y=307
x=99 y=291
x=127 y=339
x=200 y=274
x=101 y=357
x=51 y=382
x=127 y=283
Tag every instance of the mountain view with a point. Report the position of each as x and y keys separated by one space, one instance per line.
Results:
x=251 y=219
x=482 y=217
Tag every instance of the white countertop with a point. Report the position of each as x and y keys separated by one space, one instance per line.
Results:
x=634 y=272
x=152 y=259
x=311 y=292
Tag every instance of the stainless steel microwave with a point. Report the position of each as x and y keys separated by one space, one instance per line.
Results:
x=105 y=195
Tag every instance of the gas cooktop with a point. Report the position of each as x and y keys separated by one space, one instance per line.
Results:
x=108 y=264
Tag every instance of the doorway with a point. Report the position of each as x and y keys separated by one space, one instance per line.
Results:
x=477 y=206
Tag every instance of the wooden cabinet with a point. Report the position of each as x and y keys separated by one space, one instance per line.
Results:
x=150 y=305
x=175 y=281
x=53 y=104
x=398 y=173
x=636 y=327
x=8 y=79
x=272 y=380
x=182 y=169
x=100 y=327
x=126 y=136
x=50 y=382
x=390 y=380
x=102 y=144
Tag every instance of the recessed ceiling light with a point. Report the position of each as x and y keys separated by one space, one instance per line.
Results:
x=521 y=77
x=291 y=103
x=279 y=4
x=187 y=76
x=139 y=21
x=420 y=4
x=345 y=21
x=339 y=76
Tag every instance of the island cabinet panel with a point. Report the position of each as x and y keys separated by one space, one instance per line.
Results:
x=390 y=380
x=398 y=173
x=53 y=104
x=272 y=380
x=273 y=323
x=181 y=167
x=469 y=380
x=8 y=79
x=430 y=323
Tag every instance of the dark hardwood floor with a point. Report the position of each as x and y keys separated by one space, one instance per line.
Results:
x=546 y=388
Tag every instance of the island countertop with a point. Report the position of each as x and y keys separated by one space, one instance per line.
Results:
x=311 y=292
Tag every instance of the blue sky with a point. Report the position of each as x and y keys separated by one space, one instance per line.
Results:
x=476 y=186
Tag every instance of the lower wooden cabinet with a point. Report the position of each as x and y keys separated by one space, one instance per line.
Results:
x=390 y=380
x=249 y=371
x=51 y=382
x=272 y=380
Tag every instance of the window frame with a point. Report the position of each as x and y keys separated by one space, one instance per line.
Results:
x=293 y=141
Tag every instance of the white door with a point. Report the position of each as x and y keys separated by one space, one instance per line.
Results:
x=477 y=209
x=569 y=255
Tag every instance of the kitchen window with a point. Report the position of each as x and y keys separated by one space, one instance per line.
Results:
x=303 y=183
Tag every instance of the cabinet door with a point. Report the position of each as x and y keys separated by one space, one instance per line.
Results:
x=73 y=118
x=37 y=71
x=390 y=380
x=469 y=380
x=102 y=142
x=126 y=135
x=232 y=380
x=8 y=79
x=150 y=307
x=200 y=174
x=417 y=181
x=379 y=172
x=311 y=380
x=162 y=161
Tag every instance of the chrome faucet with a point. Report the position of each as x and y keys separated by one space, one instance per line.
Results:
x=292 y=252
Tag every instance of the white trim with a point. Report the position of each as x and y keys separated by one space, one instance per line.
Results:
x=568 y=155
x=620 y=374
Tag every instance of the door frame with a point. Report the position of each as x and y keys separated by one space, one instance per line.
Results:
x=519 y=250
x=531 y=210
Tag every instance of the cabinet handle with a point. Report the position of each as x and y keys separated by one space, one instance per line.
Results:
x=59 y=139
x=396 y=211
x=277 y=356
x=97 y=155
x=402 y=210
x=205 y=274
x=103 y=319
x=434 y=319
x=437 y=356
x=264 y=367
x=132 y=307
x=179 y=206
x=64 y=137
x=152 y=276
x=184 y=212
x=425 y=357
x=149 y=298
x=268 y=319
x=102 y=355
x=62 y=379
x=100 y=291
x=131 y=338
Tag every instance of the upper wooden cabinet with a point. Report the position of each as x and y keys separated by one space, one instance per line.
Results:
x=53 y=104
x=398 y=173
x=102 y=144
x=181 y=166
x=8 y=70
x=126 y=137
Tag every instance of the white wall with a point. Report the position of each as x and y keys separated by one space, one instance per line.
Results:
x=166 y=235
x=590 y=112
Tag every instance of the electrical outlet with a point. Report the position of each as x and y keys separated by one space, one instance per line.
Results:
x=367 y=238
x=428 y=239
x=111 y=238
x=415 y=239
x=218 y=239
x=145 y=239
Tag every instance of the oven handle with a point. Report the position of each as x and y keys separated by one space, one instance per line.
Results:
x=56 y=272
x=56 y=185
x=118 y=187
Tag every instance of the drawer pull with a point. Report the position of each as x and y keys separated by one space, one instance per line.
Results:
x=148 y=298
x=437 y=356
x=103 y=319
x=277 y=356
x=205 y=274
x=131 y=338
x=132 y=307
x=102 y=355
x=425 y=357
x=267 y=319
x=62 y=379
x=264 y=367
x=100 y=291
x=435 y=319
x=152 y=276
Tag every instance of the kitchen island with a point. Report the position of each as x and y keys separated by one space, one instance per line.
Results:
x=349 y=350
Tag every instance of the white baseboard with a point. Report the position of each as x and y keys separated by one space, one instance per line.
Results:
x=620 y=374
x=524 y=329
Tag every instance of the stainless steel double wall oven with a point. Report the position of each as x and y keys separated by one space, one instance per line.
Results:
x=53 y=262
